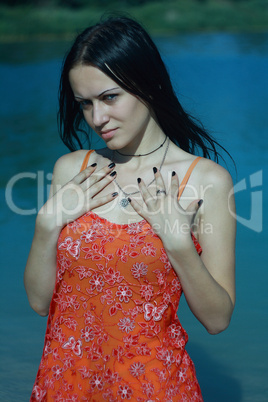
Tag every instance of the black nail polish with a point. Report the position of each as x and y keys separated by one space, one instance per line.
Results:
x=94 y=164
x=114 y=194
x=200 y=202
x=154 y=169
x=173 y=173
x=129 y=199
x=113 y=173
x=112 y=164
x=139 y=180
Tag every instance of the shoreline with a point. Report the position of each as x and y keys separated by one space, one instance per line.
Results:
x=26 y=23
x=69 y=37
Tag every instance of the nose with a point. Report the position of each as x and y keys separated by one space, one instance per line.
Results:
x=99 y=115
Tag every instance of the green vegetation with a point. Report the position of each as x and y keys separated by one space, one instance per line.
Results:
x=23 y=20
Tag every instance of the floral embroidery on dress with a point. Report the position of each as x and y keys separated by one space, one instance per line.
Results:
x=113 y=333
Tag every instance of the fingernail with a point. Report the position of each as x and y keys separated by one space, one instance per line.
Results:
x=94 y=164
x=138 y=179
x=115 y=194
x=154 y=169
x=113 y=173
x=129 y=199
x=173 y=173
x=111 y=165
x=200 y=202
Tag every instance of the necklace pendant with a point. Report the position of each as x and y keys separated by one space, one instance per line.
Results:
x=123 y=202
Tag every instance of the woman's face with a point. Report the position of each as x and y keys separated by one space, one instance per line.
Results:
x=118 y=117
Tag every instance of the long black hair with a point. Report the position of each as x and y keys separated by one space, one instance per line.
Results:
x=123 y=50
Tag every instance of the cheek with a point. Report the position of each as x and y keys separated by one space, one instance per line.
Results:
x=88 y=117
x=140 y=115
x=137 y=112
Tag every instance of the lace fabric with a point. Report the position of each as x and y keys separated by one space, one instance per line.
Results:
x=113 y=333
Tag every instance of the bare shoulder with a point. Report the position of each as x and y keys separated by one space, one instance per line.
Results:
x=216 y=189
x=212 y=174
x=68 y=166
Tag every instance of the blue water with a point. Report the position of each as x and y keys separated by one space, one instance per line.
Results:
x=221 y=78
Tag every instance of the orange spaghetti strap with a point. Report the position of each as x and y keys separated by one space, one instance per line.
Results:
x=187 y=176
x=85 y=161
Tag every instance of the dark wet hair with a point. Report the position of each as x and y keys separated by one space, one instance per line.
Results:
x=124 y=51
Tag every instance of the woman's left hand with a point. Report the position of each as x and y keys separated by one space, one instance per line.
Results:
x=168 y=219
x=207 y=280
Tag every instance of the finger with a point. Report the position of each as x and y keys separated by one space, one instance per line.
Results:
x=99 y=185
x=97 y=176
x=160 y=185
x=146 y=195
x=137 y=207
x=98 y=202
x=193 y=207
x=82 y=176
x=174 y=190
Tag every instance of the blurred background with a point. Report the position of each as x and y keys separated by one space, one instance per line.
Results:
x=216 y=52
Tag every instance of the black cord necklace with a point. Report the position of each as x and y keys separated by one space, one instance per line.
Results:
x=123 y=202
x=148 y=153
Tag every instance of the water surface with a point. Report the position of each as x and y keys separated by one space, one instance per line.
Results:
x=221 y=78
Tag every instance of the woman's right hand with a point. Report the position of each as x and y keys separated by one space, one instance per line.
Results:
x=77 y=197
x=65 y=204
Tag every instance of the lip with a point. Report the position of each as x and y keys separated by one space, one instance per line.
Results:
x=107 y=134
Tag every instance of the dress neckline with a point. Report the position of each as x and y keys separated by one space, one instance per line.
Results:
x=110 y=223
x=142 y=221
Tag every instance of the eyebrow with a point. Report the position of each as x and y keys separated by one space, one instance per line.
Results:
x=106 y=90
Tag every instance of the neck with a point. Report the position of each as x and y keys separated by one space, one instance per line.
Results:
x=146 y=143
x=134 y=163
x=146 y=153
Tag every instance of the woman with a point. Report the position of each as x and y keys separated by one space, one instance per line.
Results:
x=126 y=229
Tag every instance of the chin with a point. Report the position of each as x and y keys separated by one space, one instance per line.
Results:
x=114 y=145
x=111 y=145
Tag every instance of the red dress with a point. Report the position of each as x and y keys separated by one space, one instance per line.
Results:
x=113 y=333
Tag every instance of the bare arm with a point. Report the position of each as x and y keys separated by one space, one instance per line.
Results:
x=68 y=200
x=208 y=281
x=40 y=271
